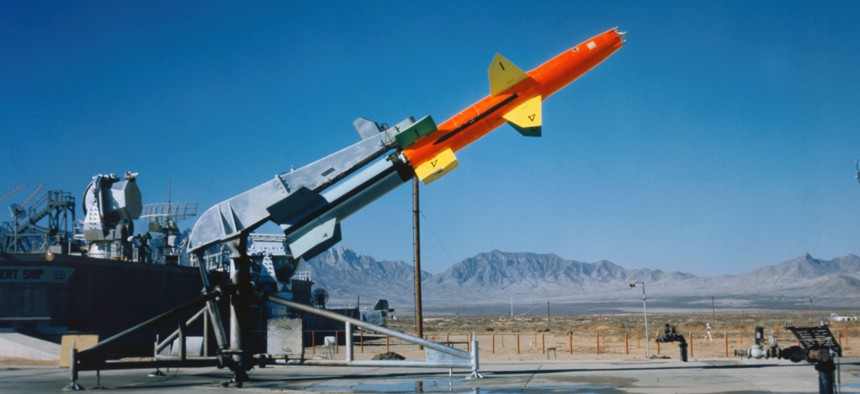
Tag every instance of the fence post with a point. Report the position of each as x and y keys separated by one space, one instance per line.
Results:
x=518 y=343
x=361 y=341
x=570 y=342
x=469 y=342
x=691 y=345
x=493 y=346
x=336 y=342
x=387 y=343
x=658 y=348
x=726 y=337
x=626 y=345
x=598 y=343
x=313 y=342
x=543 y=343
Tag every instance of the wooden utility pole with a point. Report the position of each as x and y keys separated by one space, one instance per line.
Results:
x=548 y=318
x=713 y=310
x=416 y=243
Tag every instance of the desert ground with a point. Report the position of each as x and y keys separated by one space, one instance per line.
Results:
x=598 y=336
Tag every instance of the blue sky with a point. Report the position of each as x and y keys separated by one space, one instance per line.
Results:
x=720 y=138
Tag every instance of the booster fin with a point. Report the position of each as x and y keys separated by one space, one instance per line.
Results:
x=436 y=167
x=316 y=240
x=527 y=117
x=503 y=74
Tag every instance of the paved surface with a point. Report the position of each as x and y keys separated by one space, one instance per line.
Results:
x=15 y=345
x=614 y=376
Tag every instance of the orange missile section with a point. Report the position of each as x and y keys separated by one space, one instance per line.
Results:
x=515 y=97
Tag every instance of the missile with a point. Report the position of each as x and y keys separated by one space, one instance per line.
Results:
x=309 y=203
x=515 y=97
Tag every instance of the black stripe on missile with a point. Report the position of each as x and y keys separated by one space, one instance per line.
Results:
x=472 y=121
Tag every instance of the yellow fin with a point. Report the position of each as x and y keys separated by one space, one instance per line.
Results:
x=434 y=168
x=527 y=117
x=503 y=74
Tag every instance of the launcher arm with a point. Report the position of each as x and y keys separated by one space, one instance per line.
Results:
x=308 y=203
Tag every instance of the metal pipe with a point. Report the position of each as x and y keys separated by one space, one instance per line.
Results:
x=645 y=312
x=240 y=278
x=182 y=349
x=348 y=342
x=386 y=363
x=166 y=315
x=382 y=330
x=170 y=338
x=213 y=313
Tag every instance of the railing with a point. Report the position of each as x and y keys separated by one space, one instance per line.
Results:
x=437 y=355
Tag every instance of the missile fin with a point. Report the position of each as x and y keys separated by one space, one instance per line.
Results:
x=316 y=240
x=527 y=117
x=366 y=128
x=503 y=74
x=434 y=168
x=423 y=127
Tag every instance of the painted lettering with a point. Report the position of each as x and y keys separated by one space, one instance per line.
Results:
x=33 y=274
x=8 y=274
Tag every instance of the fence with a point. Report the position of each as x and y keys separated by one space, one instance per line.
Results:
x=580 y=345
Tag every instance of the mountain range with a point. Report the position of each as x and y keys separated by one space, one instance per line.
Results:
x=495 y=281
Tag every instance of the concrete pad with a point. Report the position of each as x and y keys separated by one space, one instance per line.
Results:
x=16 y=345
x=579 y=376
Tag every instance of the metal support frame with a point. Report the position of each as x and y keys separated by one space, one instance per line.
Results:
x=95 y=358
x=180 y=333
x=437 y=355
x=240 y=305
x=645 y=313
x=24 y=234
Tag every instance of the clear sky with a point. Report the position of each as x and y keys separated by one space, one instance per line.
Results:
x=720 y=138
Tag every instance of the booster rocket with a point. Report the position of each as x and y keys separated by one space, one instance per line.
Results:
x=309 y=203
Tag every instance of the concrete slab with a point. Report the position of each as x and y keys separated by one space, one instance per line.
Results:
x=581 y=376
x=16 y=345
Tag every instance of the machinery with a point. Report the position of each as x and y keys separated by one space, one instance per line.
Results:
x=758 y=351
x=816 y=345
x=309 y=203
x=670 y=334
x=162 y=219
x=110 y=206
x=39 y=226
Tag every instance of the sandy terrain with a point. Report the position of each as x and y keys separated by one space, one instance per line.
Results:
x=597 y=336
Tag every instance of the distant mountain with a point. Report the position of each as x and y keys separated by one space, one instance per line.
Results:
x=838 y=277
x=807 y=266
x=348 y=276
x=530 y=275
x=496 y=278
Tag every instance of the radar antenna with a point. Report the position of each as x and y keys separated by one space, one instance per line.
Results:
x=162 y=219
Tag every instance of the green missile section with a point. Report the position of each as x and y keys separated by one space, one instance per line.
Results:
x=423 y=127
